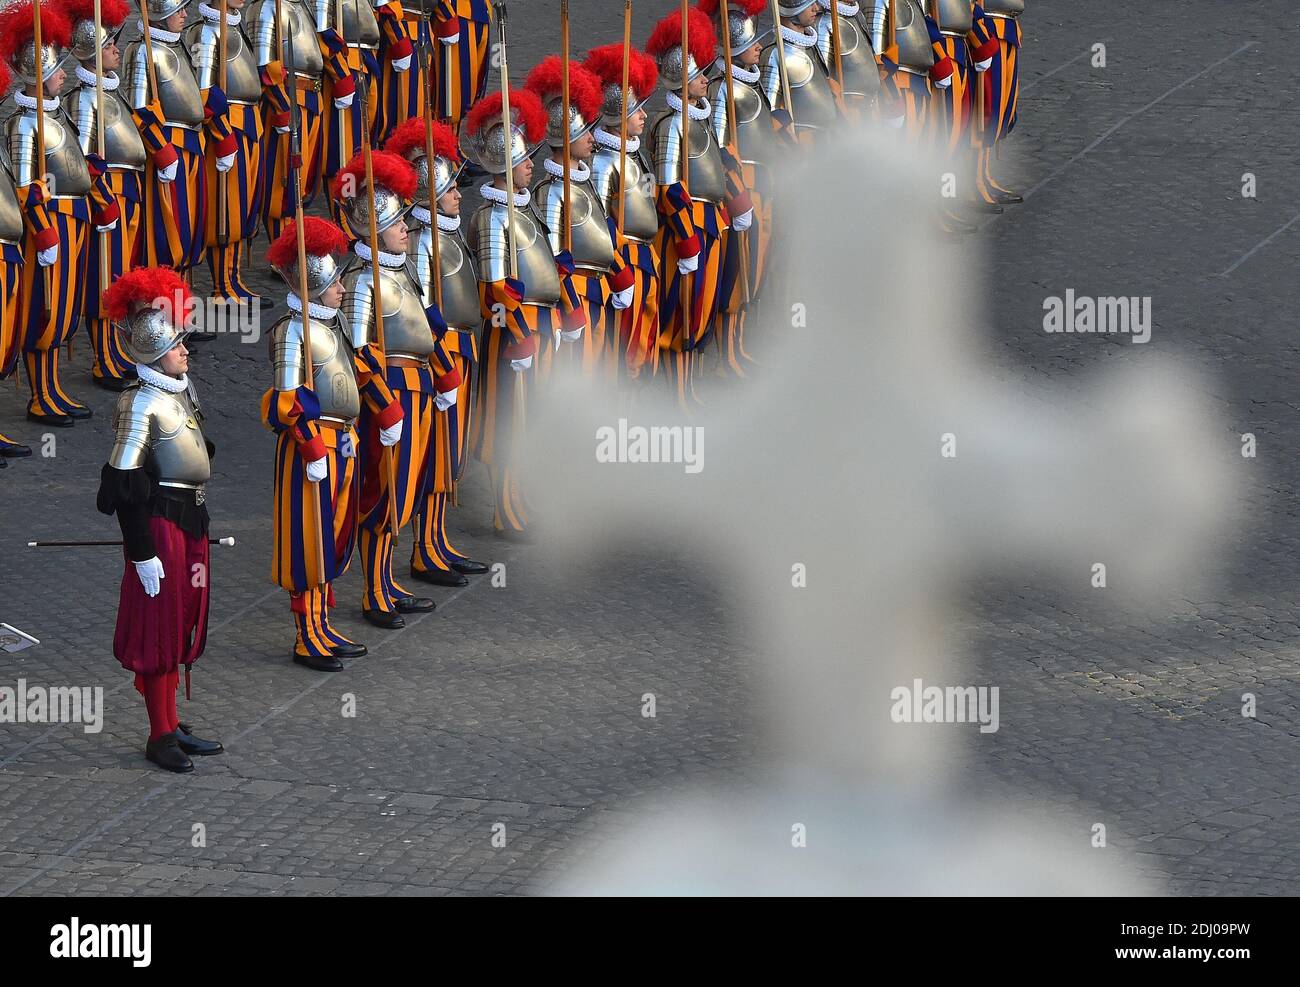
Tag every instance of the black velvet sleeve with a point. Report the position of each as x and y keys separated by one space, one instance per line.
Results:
x=127 y=493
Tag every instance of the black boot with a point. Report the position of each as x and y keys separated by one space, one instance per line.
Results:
x=439 y=577
x=167 y=754
x=469 y=567
x=197 y=746
x=318 y=663
x=349 y=649
x=389 y=620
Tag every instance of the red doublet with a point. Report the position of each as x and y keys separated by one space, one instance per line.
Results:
x=156 y=634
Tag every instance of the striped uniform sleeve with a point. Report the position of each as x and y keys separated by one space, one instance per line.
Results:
x=369 y=365
x=295 y=412
x=149 y=121
x=37 y=216
x=737 y=200
x=502 y=304
x=335 y=53
x=942 y=67
x=622 y=275
x=275 y=88
x=675 y=212
x=981 y=39
x=395 y=30
x=216 y=121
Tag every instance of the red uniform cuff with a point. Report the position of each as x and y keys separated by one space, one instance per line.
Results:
x=164 y=157
x=689 y=247
x=280 y=119
x=399 y=49
x=941 y=69
x=109 y=214
x=227 y=146
x=46 y=238
x=740 y=205
x=344 y=87
x=624 y=279
x=522 y=349
x=987 y=50
x=313 y=450
x=448 y=381
x=449 y=29
x=391 y=415
x=576 y=319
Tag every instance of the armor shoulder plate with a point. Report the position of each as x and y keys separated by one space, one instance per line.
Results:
x=131 y=429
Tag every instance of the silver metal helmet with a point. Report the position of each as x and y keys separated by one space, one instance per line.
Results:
x=445 y=173
x=84 y=41
x=389 y=208
x=617 y=104
x=152 y=332
x=322 y=271
x=670 y=68
x=745 y=31
x=487 y=148
x=25 y=63
x=555 y=126
x=160 y=10
x=793 y=8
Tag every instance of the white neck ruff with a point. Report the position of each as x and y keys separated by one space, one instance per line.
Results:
x=87 y=78
x=742 y=74
x=448 y=224
x=801 y=39
x=322 y=312
x=385 y=259
x=696 y=112
x=421 y=215
x=846 y=9
x=213 y=15
x=29 y=102
x=162 y=381
x=611 y=140
x=579 y=171
x=498 y=196
x=158 y=34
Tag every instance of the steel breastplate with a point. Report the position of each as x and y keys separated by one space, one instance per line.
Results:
x=460 y=303
x=811 y=98
x=640 y=215
x=123 y=147
x=335 y=380
x=65 y=165
x=955 y=17
x=759 y=141
x=178 y=90
x=11 y=215
x=243 y=82
x=592 y=248
x=536 y=262
x=861 y=74
x=406 y=327
x=1005 y=8
x=360 y=26
x=176 y=440
x=914 y=51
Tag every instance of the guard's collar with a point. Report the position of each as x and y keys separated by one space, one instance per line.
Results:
x=385 y=259
x=498 y=196
x=579 y=171
x=162 y=381
x=696 y=112
x=611 y=140
x=88 y=78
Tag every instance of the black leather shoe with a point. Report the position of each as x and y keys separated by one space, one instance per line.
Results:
x=349 y=650
x=79 y=412
x=414 y=604
x=54 y=421
x=167 y=754
x=115 y=384
x=992 y=208
x=12 y=450
x=439 y=577
x=469 y=567
x=193 y=745
x=390 y=621
x=318 y=663
x=1008 y=198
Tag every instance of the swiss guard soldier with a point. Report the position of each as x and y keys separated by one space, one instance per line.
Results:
x=998 y=21
x=861 y=92
x=908 y=61
x=956 y=104
x=600 y=279
x=229 y=237
x=397 y=78
x=155 y=481
x=297 y=29
x=635 y=349
x=317 y=479
x=109 y=253
x=422 y=376
x=453 y=286
x=520 y=313
x=175 y=199
x=56 y=190
x=694 y=218
x=462 y=28
x=349 y=52
x=11 y=269
x=813 y=98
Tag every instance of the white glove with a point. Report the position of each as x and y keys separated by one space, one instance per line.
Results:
x=318 y=469
x=48 y=256
x=519 y=366
x=391 y=435
x=940 y=83
x=404 y=63
x=151 y=575
x=571 y=335
x=343 y=102
x=106 y=228
x=743 y=222
x=444 y=400
x=283 y=130
x=224 y=164
x=449 y=41
x=168 y=174
x=688 y=265
x=984 y=65
x=622 y=299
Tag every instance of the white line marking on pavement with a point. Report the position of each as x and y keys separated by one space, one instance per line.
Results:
x=1261 y=245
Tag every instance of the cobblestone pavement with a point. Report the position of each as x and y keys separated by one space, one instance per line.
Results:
x=521 y=705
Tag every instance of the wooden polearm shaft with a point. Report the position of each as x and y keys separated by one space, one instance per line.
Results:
x=435 y=261
x=104 y=266
x=40 y=89
x=508 y=136
x=223 y=230
x=684 y=294
x=779 y=48
x=622 y=127
x=150 y=71
x=564 y=116
x=835 y=43
x=733 y=131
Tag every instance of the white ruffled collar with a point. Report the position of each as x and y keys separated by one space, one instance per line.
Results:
x=497 y=196
x=802 y=39
x=29 y=102
x=448 y=224
x=322 y=312
x=162 y=381
x=213 y=15
x=846 y=9
x=385 y=259
x=696 y=112
x=740 y=73
x=611 y=140
x=579 y=171
x=87 y=78
x=168 y=37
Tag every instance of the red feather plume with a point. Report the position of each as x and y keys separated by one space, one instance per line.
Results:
x=607 y=64
x=16 y=27
x=547 y=80
x=145 y=287
x=410 y=137
x=111 y=12
x=524 y=105
x=321 y=237
x=4 y=78
x=700 y=36
x=391 y=171
x=750 y=8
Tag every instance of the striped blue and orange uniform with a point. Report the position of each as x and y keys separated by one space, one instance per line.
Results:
x=229 y=246
x=315 y=524
x=11 y=271
x=278 y=199
x=341 y=129
x=463 y=29
x=735 y=288
x=512 y=330
x=1001 y=85
x=432 y=549
x=121 y=246
x=414 y=386
x=398 y=89
x=634 y=351
x=408 y=95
